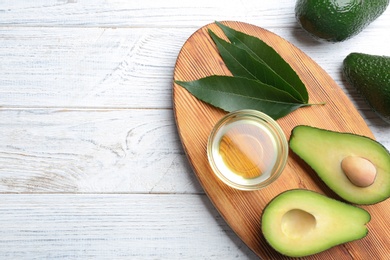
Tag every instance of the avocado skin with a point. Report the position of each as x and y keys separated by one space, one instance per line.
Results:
x=370 y=75
x=337 y=20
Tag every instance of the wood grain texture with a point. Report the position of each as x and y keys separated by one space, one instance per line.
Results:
x=242 y=210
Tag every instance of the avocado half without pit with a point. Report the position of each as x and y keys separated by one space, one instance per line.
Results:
x=299 y=223
x=355 y=167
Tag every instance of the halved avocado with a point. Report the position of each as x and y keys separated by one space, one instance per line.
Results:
x=325 y=151
x=299 y=223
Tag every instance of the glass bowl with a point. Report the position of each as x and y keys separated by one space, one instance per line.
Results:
x=247 y=149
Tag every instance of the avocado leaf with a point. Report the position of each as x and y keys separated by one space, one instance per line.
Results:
x=241 y=63
x=262 y=51
x=235 y=93
x=262 y=80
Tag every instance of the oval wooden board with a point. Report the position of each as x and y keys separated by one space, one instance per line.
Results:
x=242 y=209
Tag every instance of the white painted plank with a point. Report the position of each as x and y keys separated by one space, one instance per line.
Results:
x=127 y=68
x=154 y=13
x=115 y=227
x=92 y=151
x=93 y=67
x=137 y=151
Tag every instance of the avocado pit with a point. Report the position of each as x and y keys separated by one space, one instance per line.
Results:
x=360 y=171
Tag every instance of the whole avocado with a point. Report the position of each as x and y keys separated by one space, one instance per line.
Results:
x=370 y=75
x=337 y=20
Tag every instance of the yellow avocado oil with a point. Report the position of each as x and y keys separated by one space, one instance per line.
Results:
x=246 y=151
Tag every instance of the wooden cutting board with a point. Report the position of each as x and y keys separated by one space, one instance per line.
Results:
x=242 y=209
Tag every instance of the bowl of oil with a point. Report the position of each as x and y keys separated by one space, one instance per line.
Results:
x=247 y=150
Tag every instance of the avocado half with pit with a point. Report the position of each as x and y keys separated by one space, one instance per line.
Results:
x=299 y=223
x=355 y=167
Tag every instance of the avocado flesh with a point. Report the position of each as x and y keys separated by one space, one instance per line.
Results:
x=323 y=151
x=370 y=75
x=299 y=223
x=337 y=20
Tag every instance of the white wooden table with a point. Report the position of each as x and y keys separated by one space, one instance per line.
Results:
x=91 y=165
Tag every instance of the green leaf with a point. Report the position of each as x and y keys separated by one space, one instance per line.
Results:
x=241 y=63
x=235 y=93
x=260 y=50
